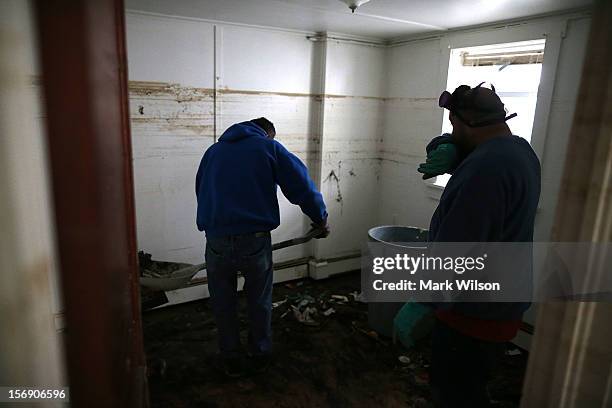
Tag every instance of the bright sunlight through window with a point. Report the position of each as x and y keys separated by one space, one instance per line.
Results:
x=513 y=68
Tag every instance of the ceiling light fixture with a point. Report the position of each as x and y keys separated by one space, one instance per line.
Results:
x=353 y=4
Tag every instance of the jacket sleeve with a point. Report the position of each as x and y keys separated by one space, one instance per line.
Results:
x=292 y=177
x=200 y=172
x=198 y=180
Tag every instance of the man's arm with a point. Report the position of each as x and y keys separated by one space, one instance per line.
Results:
x=198 y=180
x=296 y=185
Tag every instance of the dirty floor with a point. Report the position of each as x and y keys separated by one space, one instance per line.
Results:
x=326 y=361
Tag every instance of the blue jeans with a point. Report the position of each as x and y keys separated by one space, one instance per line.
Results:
x=250 y=254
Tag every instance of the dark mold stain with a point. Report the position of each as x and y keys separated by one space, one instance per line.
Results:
x=333 y=176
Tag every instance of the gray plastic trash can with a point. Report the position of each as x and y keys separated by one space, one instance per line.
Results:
x=380 y=315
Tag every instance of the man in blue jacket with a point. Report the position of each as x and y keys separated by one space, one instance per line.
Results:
x=236 y=188
x=492 y=196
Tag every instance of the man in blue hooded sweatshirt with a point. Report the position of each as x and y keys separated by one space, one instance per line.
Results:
x=237 y=208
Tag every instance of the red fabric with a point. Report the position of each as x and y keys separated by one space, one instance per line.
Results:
x=488 y=330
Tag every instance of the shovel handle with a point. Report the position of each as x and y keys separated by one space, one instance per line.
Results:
x=279 y=245
x=296 y=241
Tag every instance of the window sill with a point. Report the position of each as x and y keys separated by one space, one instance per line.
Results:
x=434 y=191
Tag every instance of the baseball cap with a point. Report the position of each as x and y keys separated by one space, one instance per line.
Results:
x=476 y=107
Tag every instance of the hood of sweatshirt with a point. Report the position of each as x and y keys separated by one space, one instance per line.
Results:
x=241 y=131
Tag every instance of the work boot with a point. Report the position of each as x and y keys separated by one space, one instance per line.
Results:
x=260 y=363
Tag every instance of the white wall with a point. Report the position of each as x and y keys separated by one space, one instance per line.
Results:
x=352 y=132
x=412 y=118
x=171 y=75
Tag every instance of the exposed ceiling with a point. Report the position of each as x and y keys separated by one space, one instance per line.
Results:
x=383 y=19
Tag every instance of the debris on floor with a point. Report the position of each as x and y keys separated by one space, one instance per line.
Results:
x=157 y=269
x=277 y=304
x=322 y=358
x=306 y=315
x=329 y=311
x=404 y=359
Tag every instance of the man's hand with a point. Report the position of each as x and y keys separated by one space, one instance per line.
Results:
x=440 y=160
x=319 y=230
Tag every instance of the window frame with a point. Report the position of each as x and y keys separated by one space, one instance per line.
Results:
x=552 y=31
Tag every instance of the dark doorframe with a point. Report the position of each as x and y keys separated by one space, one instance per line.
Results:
x=84 y=70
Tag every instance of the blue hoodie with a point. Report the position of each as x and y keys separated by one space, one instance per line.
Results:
x=236 y=184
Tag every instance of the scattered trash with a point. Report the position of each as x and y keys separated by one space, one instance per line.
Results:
x=358 y=297
x=329 y=312
x=305 y=316
x=150 y=268
x=277 y=304
x=333 y=355
x=300 y=283
x=420 y=402
x=404 y=359
x=515 y=352
x=340 y=298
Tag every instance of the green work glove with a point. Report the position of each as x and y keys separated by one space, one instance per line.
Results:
x=440 y=160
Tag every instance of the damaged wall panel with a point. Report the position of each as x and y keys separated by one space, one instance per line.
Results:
x=410 y=123
x=412 y=118
x=171 y=89
x=171 y=127
x=352 y=133
x=350 y=171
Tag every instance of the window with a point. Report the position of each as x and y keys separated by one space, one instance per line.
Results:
x=513 y=68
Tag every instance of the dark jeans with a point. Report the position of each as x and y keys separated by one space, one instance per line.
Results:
x=461 y=367
x=250 y=254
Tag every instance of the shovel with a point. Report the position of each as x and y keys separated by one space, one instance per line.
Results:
x=181 y=277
